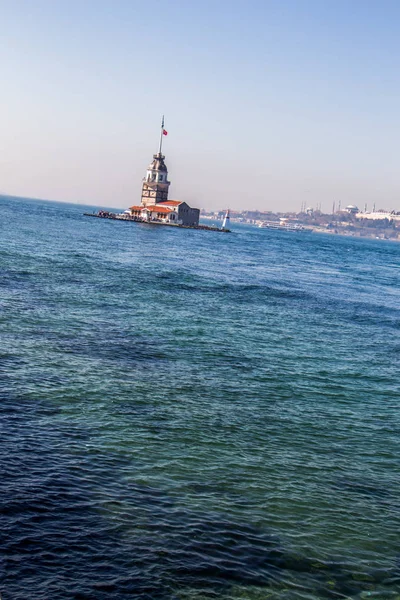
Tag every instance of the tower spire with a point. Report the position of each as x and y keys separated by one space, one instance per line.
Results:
x=161 y=134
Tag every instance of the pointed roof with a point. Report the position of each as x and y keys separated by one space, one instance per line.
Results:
x=158 y=163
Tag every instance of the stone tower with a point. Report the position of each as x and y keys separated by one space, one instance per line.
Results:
x=155 y=184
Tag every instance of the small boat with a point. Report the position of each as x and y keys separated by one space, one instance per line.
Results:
x=281 y=225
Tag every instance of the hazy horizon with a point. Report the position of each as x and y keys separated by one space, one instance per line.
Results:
x=268 y=105
x=123 y=207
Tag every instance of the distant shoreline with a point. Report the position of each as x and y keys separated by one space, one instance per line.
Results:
x=358 y=234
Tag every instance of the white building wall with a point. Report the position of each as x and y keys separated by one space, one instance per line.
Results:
x=378 y=216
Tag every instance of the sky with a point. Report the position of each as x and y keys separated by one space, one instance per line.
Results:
x=268 y=104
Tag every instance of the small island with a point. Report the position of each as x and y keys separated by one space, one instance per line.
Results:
x=155 y=208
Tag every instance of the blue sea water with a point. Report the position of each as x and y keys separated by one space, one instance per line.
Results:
x=193 y=415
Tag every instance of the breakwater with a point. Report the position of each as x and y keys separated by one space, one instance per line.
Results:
x=116 y=217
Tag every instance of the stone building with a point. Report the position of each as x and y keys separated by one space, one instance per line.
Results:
x=155 y=184
x=155 y=205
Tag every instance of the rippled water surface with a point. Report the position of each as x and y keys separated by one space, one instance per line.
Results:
x=193 y=415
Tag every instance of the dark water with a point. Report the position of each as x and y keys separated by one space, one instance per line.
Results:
x=191 y=415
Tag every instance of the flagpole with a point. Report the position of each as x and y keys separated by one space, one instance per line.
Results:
x=161 y=134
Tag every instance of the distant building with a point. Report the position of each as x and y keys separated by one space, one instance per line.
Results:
x=155 y=205
x=379 y=215
x=167 y=211
x=351 y=209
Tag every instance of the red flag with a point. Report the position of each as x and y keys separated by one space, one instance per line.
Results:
x=165 y=132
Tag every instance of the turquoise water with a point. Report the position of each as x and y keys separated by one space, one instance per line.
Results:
x=193 y=415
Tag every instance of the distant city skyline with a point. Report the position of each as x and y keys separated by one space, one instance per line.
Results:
x=269 y=105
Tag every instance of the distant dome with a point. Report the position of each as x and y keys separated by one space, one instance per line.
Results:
x=158 y=163
x=351 y=207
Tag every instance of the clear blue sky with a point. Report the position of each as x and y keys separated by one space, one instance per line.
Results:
x=268 y=103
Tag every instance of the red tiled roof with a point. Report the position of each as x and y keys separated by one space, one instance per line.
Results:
x=171 y=202
x=158 y=209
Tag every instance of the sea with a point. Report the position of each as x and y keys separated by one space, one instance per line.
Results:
x=187 y=415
